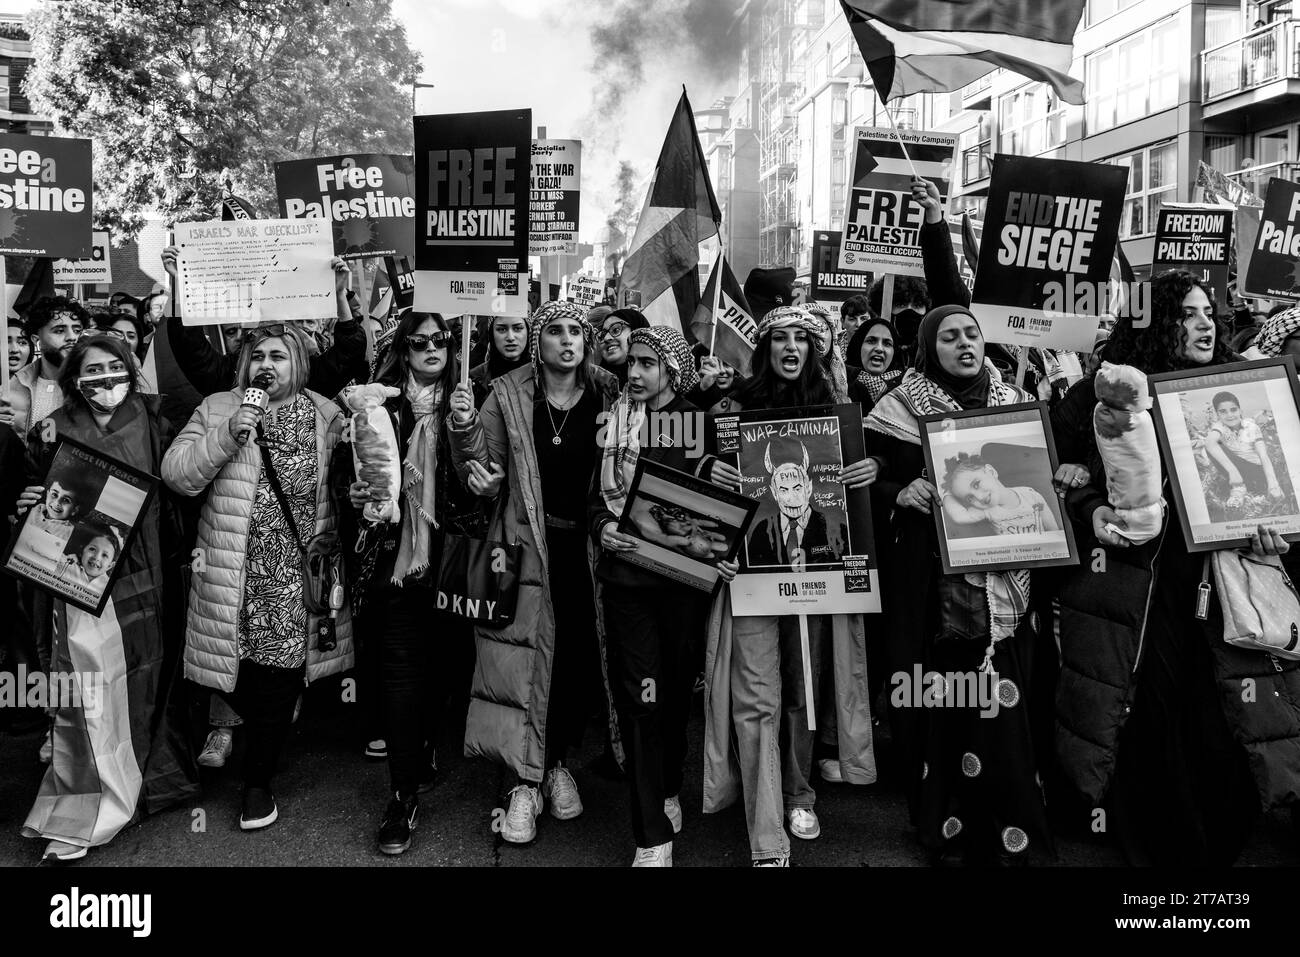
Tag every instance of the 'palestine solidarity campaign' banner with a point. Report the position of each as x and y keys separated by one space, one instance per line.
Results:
x=882 y=226
x=471 y=197
x=1044 y=262
x=554 y=198
x=369 y=198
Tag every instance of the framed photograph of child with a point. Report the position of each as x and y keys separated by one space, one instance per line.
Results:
x=1230 y=441
x=71 y=544
x=686 y=525
x=997 y=508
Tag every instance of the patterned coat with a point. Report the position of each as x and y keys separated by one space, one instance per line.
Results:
x=205 y=453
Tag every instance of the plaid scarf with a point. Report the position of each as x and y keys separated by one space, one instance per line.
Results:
x=878 y=385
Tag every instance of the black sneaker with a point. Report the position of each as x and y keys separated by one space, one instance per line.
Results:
x=398 y=824
x=259 y=809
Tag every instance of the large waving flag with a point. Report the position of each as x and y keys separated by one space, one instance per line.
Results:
x=724 y=321
x=678 y=226
x=934 y=46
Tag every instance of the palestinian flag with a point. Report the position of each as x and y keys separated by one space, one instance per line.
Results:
x=232 y=207
x=678 y=230
x=731 y=331
x=935 y=46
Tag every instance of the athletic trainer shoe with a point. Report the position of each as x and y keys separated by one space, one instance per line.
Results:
x=398 y=824
x=62 y=852
x=520 y=825
x=673 y=809
x=563 y=793
x=259 y=809
x=803 y=823
x=217 y=749
x=377 y=750
x=773 y=862
x=830 y=771
x=661 y=855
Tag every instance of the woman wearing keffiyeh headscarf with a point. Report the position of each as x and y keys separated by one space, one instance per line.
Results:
x=650 y=619
x=424 y=656
x=970 y=771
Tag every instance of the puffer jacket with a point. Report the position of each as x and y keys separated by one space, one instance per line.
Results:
x=205 y=453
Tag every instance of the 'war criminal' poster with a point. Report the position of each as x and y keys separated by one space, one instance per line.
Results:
x=369 y=199
x=1043 y=276
x=882 y=225
x=471 y=196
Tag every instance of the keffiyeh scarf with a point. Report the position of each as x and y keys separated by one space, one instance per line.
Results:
x=419 y=480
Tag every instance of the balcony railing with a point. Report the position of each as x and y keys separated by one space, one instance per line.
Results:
x=976 y=162
x=1256 y=178
x=1260 y=57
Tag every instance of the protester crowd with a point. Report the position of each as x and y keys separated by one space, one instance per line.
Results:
x=1113 y=694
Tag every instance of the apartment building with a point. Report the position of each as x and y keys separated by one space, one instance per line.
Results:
x=16 y=115
x=1168 y=83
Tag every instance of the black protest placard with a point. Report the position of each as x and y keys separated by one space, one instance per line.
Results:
x=46 y=203
x=828 y=282
x=369 y=199
x=401 y=279
x=1274 y=270
x=471 y=196
x=1043 y=276
x=1198 y=238
x=882 y=226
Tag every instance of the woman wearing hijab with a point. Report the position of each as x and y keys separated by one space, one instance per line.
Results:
x=533 y=448
x=649 y=619
x=970 y=773
x=425 y=656
x=873 y=354
x=1152 y=717
x=120 y=753
x=507 y=350
x=758 y=746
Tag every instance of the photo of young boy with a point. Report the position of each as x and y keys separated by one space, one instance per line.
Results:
x=92 y=554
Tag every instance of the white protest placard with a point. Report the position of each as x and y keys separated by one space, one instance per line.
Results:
x=95 y=269
x=554 y=196
x=586 y=292
x=255 y=271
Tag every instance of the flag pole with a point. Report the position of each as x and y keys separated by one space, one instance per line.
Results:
x=899 y=136
x=717 y=297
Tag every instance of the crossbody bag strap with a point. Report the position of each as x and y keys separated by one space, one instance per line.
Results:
x=278 y=491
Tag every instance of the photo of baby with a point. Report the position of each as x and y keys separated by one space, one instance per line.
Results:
x=672 y=526
x=975 y=496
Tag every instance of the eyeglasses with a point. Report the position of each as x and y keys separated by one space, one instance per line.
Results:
x=421 y=343
x=613 y=330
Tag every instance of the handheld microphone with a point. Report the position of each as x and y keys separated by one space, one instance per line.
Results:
x=257 y=398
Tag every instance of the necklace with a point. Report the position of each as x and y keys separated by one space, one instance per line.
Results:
x=556 y=438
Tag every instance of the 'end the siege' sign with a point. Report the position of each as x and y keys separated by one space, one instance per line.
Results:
x=45 y=196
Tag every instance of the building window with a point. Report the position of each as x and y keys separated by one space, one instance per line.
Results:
x=1133 y=78
x=1099 y=10
x=1152 y=180
x=1032 y=121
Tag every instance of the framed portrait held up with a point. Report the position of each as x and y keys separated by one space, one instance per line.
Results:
x=997 y=507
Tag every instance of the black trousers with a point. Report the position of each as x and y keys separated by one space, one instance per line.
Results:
x=425 y=661
x=576 y=691
x=265 y=697
x=649 y=639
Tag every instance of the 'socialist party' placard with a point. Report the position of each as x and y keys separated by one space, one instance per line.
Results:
x=882 y=228
x=471 y=196
x=554 y=197
x=810 y=548
x=368 y=199
x=1043 y=276
x=1196 y=238
x=46 y=203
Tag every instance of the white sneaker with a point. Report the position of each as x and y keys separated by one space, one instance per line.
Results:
x=803 y=823
x=217 y=749
x=563 y=793
x=673 y=808
x=62 y=851
x=377 y=749
x=520 y=825
x=661 y=855
x=773 y=862
x=830 y=771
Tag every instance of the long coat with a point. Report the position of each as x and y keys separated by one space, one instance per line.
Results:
x=510 y=693
x=205 y=453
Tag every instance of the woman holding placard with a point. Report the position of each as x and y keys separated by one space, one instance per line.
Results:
x=1157 y=715
x=754 y=667
x=970 y=768
x=116 y=754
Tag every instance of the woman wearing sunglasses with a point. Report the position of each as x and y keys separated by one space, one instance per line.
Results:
x=425 y=657
x=533 y=448
x=247 y=626
x=114 y=754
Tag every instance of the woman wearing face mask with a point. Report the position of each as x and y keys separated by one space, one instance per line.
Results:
x=754 y=695
x=1150 y=710
x=425 y=657
x=116 y=756
x=970 y=771
x=248 y=632
x=873 y=352
x=533 y=448
x=507 y=350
